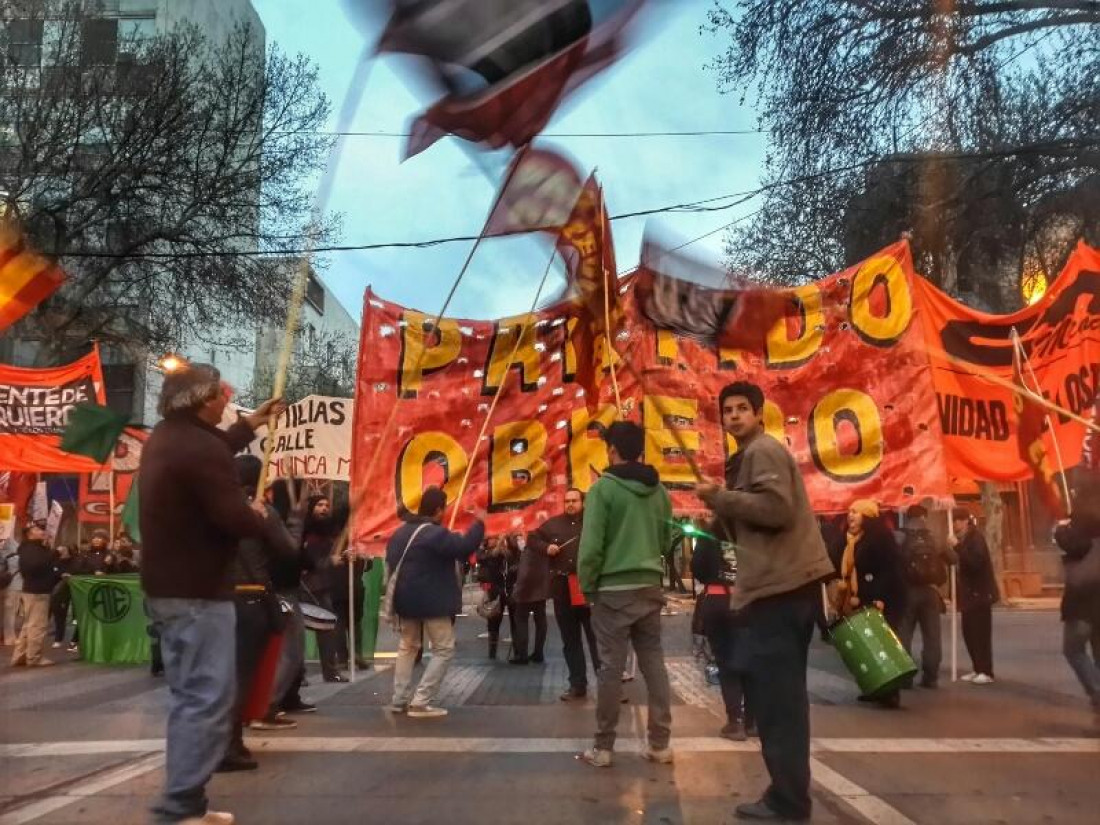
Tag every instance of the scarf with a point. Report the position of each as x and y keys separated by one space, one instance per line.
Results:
x=847 y=594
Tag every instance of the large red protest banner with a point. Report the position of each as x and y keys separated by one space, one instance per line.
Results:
x=34 y=409
x=847 y=379
x=95 y=487
x=1061 y=336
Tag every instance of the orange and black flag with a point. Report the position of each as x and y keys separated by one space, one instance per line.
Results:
x=26 y=278
x=1030 y=424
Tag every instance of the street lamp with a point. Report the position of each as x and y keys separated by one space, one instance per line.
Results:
x=171 y=363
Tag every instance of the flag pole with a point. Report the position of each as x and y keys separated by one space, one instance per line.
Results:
x=1025 y=361
x=954 y=601
x=500 y=389
x=111 y=500
x=353 y=654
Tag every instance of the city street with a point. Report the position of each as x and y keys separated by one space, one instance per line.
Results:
x=83 y=744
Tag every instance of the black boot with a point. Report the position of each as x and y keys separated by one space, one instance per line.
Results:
x=492 y=648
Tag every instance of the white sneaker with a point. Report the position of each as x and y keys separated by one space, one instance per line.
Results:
x=56 y=645
x=425 y=712
x=982 y=679
x=597 y=757
x=662 y=756
x=211 y=818
x=969 y=677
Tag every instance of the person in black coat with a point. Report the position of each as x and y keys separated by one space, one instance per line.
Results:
x=320 y=535
x=423 y=558
x=871 y=573
x=37 y=567
x=977 y=593
x=497 y=568
x=532 y=591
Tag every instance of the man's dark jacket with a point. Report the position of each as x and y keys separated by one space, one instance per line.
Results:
x=37 y=567
x=193 y=510
x=564 y=531
x=427 y=586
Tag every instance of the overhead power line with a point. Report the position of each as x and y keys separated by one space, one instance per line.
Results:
x=686 y=133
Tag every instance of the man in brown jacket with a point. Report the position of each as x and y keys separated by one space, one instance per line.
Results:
x=781 y=560
x=193 y=515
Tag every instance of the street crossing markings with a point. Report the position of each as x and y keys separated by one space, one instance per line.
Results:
x=862 y=801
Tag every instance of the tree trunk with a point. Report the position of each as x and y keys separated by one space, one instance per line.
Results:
x=994 y=508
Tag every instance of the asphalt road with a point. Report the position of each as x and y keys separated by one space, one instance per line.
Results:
x=82 y=744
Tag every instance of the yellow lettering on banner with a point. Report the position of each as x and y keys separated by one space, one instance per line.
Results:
x=773 y=426
x=587 y=450
x=668 y=348
x=526 y=358
x=422 y=449
x=517 y=471
x=438 y=350
x=728 y=357
x=881 y=330
x=785 y=352
x=858 y=410
x=659 y=440
x=569 y=352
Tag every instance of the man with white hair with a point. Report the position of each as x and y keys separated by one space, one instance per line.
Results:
x=193 y=515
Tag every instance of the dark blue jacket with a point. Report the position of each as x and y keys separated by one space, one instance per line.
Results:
x=428 y=585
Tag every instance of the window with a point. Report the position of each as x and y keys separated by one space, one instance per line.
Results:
x=315 y=294
x=118 y=380
x=25 y=43
x=99 y=42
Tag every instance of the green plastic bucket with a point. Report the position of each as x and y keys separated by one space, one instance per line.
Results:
x=872 y=652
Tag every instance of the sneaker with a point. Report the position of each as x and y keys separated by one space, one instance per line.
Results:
x=573 y=695
x=597 y=757
x=210 y=818
x=425 y=712
x=396 y=709
x=236 y=762
x=662 y=756
x=969 y=677
x=73 y=648
x=273 y=723
x=735 y=732
x=56 y=645
x=300 y=707
x=538 y=659
x=982 y=679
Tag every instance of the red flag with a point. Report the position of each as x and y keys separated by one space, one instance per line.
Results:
x=26 y=278
x=1030 y=424
x=530 y=53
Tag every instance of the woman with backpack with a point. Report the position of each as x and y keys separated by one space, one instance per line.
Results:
x=497 y=569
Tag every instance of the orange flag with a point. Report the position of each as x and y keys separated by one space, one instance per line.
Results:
x=26 y=278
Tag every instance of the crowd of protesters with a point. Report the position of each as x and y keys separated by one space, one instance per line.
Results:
x=227 y=568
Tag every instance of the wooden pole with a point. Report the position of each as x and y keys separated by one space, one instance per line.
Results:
x=954 y=602
x=111 y=504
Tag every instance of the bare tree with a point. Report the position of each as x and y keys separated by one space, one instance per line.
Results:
x=155 y=169
x=972 y=124
x=323 y=363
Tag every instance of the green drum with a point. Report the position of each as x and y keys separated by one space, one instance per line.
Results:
x=872 y=652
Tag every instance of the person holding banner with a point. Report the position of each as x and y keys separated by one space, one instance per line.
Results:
x=559 y=537
x=193 y=515
x=781 y=562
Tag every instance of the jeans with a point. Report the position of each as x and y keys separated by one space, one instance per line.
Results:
x=623 y=618
x=292 y=660
x=254 y=628
x=922 y=609
x=32 y=636
x=773 y=654
x=440 y=633
x=977 y=630
x=574 y=625
x=521 y=630
x=199 y=648
x=1077 y=637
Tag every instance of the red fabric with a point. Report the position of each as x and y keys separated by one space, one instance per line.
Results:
x=1031 y=421
x=259 y=692
x=26 y=278
x=576 y=597
x=717 y=590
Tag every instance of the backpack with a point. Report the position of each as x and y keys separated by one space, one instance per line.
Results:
x=924 y=564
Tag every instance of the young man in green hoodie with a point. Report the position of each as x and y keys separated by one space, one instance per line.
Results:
x=627 y=524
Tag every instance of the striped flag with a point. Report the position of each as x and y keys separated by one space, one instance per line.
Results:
x=26 y=278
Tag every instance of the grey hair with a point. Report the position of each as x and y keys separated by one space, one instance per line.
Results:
x=188 y=389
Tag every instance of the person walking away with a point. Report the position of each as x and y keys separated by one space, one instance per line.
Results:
x=925 y=564
x=193 y=515
x=781 y=561
x=37 y=567
x=871 y=575
x=977 y=593
x=424 y=556
x=532 y=591
x=496 y=571
x=714 y=565
x=627 y=525
x=317 y=584
x=1079 y=539
x=560 y=537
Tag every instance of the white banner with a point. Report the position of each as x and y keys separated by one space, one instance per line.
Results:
x=53 y=523
x=7 y=521
x=313 y=440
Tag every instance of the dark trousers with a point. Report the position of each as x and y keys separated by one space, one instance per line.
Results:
x=922 y=610
x=497 y=621
x=772 y=652
x=328 y=641
x=520 y=632
x=721 y=626
x=253 y=630
x=977 y=628
x=574 y=625
x=345 y=618
x=59 y=612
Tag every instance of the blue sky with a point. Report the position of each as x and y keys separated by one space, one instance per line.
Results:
x=662 y=85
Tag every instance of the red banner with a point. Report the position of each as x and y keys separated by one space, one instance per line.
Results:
x=847 y=380
x=95 y=487
x=34 y=409
x=1061 y=337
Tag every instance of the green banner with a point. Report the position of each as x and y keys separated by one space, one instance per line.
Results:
x=110 y=613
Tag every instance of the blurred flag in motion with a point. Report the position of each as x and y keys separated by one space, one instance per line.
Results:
x=26 y=278
x=505 y=64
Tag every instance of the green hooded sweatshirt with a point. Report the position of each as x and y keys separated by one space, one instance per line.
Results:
x=627 y=523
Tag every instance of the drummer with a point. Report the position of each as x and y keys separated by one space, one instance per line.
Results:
x=781 y=561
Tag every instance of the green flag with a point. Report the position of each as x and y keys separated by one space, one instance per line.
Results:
x=93 y=431
x=110 y=615
x=130 y=512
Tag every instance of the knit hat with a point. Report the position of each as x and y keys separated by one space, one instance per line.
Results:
x=865 y=507
x=188 y=388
